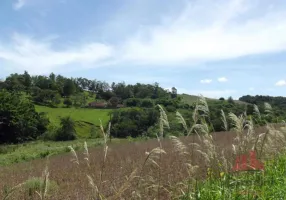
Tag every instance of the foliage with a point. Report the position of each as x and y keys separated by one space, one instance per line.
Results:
x=16 y=153
x=19 y=120
x=68 y=102
x=133 y=102
x=147 y=103
x=67 y=130
x=69 y=88
x=133 y=121
x=230 y=100
x=114 y=101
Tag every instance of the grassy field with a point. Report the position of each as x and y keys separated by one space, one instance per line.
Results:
x=83 y=117
x=190 y=99
x=176 y=181
x=200 y=166
x=10 y=154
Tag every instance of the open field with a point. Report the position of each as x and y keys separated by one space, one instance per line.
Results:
x=122 y=160
x=10 y=154
x=83 y=117
x=77 y=114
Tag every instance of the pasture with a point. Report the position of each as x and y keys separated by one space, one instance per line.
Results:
x=83 y=117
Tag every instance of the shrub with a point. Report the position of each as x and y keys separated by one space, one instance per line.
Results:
x=65 y=132
x=114 y=101
x=68 y=102
x=171 y=108
x=19 y=120
x=133 y=102
x=95 y=133
x=133 y=121
x=147 y=103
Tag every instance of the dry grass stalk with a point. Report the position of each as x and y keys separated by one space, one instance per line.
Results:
x=75 y=157
x=256 y=111
x=182 y=121
x=223 y=118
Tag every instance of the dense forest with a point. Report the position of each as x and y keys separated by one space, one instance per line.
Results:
x=138 y=115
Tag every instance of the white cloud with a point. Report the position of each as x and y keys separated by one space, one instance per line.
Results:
x=206 y=81
x=39 y=56
x=222 y=79
x=230 y=29
x=19 y=4
x=281 y=83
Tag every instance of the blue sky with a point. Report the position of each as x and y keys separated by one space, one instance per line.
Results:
x=215 y=48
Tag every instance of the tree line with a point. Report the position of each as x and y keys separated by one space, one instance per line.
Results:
x=19 y=121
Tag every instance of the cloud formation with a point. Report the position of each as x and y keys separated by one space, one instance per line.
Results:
x=39 y=57
x=19 y=4
x=222 y=79
x=206 y=81
x=281 y=83
x=229 y=29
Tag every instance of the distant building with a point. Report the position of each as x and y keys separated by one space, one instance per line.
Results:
x=120 y=106
x=97 y=104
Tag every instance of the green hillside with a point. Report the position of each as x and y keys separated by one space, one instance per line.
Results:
x=83 y=117
x=190 y=99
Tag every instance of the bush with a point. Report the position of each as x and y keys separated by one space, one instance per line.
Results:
x=171 y=108
x=114 y=101
x=133 y=102
x=94 y=132
x=19 y=120
x=67 y=130
x=133 y=121
x=147 y=103
x=68 y=102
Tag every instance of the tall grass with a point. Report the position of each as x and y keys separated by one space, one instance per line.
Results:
x=219 y=180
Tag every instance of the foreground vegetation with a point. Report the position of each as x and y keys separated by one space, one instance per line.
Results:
x=197 y=166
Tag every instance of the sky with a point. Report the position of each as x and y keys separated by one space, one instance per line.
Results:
x=216 y=48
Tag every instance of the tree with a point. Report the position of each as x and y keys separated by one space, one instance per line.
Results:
x=174 y=93
x=42 y=82
x=19 y=120
x=147 y=103
x=106 y=95
x=27 y=80
x=92 y=86
x=114 y=101
x=156 y=88
x=69 y=88
x=79 y=100
x=230 y=100
x=133 y=121
x=221 y=99
x=14 y=83
x=67 y=130
x=56 y=100
x=68 y=102
x=133 y=102
x=52 y=77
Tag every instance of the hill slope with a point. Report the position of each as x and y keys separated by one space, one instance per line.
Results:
x=83 y=117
